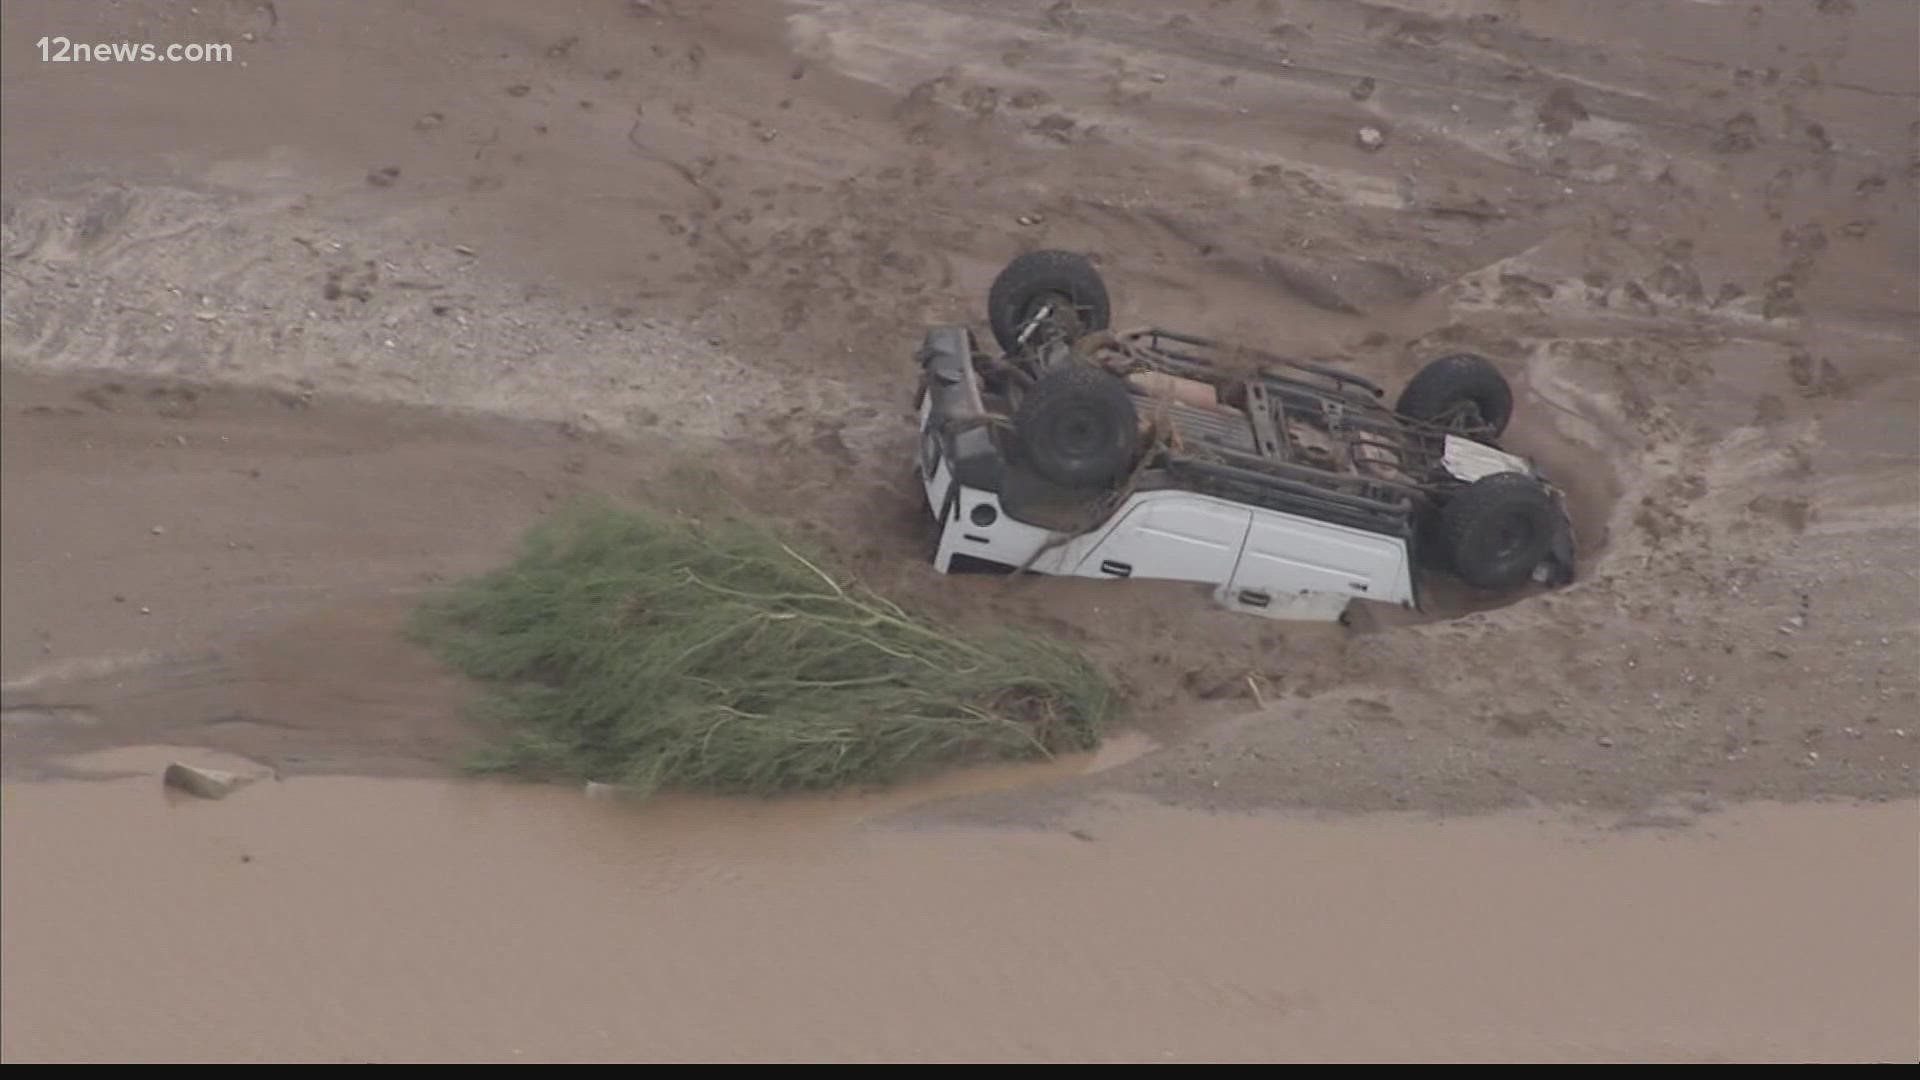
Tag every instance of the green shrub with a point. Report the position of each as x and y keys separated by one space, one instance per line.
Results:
x=657 y=652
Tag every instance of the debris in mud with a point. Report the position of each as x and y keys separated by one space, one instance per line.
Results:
x=1477 y=208
x=203 y=783
x=1519 y=287
x=1804 y=239
x=519 y=90
x=1363 y=89
x=1680 y=281
x=1821 y=379
x=1782 y=300
x=1064 y=16
x=1560 y=111
x=429 y=122
x=1738 y=135
x=1370 y=138
x=1056 y=126
x=981 y=101
x=384 y=177
x=1031 y=219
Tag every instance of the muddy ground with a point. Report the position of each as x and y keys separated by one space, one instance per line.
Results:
x=290 y=339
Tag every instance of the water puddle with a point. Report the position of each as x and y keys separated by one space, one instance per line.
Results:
x=328 y=919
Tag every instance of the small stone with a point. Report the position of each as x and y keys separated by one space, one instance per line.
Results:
x=1363 y=89
x=462 y=249
x=1158 y=76
x=119 y=598
x=146 y=611
x=1606 y=741
x=1370 y=138
x=159 y=530
x=205 y=783
x=1030 y=219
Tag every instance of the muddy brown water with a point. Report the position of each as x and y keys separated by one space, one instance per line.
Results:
x=334 y=919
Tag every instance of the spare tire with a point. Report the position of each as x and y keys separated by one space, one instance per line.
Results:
x=1446 y=388
x=1077 y=427
x=1046 y=277
x=1497 y=529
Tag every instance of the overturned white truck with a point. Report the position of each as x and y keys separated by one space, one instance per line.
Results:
x=1288 y=486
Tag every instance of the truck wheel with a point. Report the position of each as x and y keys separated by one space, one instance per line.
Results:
x=1497 y=529
x=1077 y=427
x=1463 y=388
x=1062 y=279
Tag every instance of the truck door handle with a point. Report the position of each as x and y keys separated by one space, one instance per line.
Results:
x=1116 y=569
x=1254 y=598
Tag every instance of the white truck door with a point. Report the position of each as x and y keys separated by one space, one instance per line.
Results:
x=1170 y=536
x=1286 y=556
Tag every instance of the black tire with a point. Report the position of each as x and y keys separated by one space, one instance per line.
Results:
x=1443 y=386
x=1077 y=427
x=1039 y=277
x=1497 y=529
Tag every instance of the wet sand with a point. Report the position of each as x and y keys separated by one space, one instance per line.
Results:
x=366 y=920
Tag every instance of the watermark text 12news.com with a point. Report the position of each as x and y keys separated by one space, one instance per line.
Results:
x=61 y=50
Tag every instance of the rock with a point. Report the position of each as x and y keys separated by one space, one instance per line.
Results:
x=1370 y=138
x=205 y=783
x=159 y=530
x=1030 y=219
x=1363 y=89
x=597 y=790
x=1606 y=741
